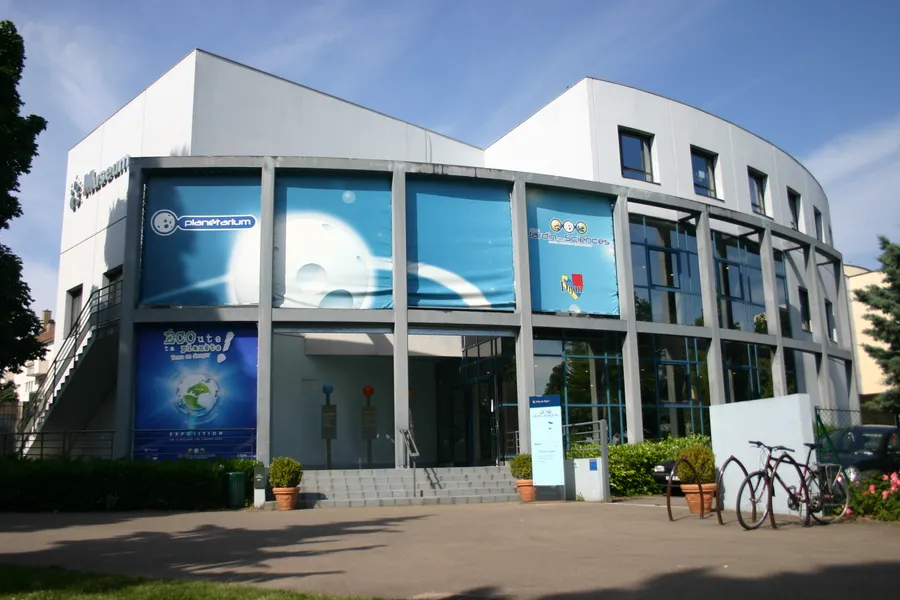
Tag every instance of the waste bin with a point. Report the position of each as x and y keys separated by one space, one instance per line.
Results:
x=237 y=490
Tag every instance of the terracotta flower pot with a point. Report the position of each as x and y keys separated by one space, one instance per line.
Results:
x=525 y=488
x=286 y=497
x=693 y=497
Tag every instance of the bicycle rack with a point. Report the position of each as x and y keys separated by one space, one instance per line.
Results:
x=719 y=478
x=669 y=487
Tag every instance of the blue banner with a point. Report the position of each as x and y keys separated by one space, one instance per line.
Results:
x=547 y=454
x=459 y=244
x=195 y=391
x=333 y=242
x=571 y=252
x=201 y=241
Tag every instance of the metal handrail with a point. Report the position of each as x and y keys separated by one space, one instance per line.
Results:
x=94 y=313
x=412 y=453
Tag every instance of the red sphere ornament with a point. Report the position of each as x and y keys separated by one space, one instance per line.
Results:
x=368 y=391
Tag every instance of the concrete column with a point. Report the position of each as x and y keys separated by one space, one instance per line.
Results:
x=131 y=281
x=264 y=360
x=773 y=318
x=714 y=361
x=818 y=324
x=401 y=314
x=631 y=367
x=525 y=339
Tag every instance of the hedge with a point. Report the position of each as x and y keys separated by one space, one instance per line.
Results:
x=631 y=465
x=113 y=485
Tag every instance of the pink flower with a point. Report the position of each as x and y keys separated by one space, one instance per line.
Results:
x=884 y=477
x=872 y=489
x=885 y=494
x=849 y=511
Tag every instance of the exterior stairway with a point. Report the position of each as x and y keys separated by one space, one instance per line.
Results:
x=395 y=487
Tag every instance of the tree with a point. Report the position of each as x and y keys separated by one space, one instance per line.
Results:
x=19 y=326
x=884 y=304
x=8 y=392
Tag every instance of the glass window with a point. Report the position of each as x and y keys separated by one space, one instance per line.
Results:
x=757 y=191
x=739 y=283
x=748 y=371
x=703 y=165
x=664 y=268
x=804 y=310
x=818 y=216
x=794 y=205
x=635 y=154
x=829 y=316
x=639 y=264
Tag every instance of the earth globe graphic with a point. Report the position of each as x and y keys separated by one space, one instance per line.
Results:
x=197 y=395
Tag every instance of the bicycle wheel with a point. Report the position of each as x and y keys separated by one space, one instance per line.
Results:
x=797 y=496
x=829 y=494
x=753 y=500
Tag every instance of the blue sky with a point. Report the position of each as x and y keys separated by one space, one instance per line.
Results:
x=819 y=78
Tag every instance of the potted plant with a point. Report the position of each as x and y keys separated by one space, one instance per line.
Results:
x=704 y=461
x=520 y=467
x=285 y=474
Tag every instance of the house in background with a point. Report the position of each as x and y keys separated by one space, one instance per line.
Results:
x=29 y=379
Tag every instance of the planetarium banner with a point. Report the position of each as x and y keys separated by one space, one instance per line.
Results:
x=201 y=241
x=333 y=242
x=459 y=244
x=571 y=252
x=195 y=391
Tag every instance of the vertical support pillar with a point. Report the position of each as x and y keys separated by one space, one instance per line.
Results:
x=818 y=324
x=714 y=359
x=525 y=339
x=773 y=318
x=401 y=314
x=264 y=324
x=631 y=366
x=131 y=278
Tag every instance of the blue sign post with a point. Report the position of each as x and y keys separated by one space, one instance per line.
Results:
x=546 y=441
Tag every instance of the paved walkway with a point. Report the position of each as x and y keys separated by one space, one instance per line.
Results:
x=569 y=551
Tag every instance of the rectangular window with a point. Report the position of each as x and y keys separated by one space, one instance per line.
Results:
x=794 y=205
x=74 y=302
x=818 y=224
x=635 y=153
x=757 y=191
x=804 y=310
x=829 y=316
x=703 y=165
x=664 y=268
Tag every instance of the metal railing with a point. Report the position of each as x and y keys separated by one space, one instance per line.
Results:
x=411 y=452
x=168 y=444
x=102 y=307
x=88 y=443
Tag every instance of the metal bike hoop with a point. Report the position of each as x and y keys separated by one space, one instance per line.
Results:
x=719 y=478
x=669 y=486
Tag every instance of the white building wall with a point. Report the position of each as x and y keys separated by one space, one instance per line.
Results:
x=155 y=123
x=556 y=140
x=244 y=112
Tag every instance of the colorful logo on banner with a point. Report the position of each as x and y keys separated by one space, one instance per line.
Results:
x=459 y=244
x=571 y=252
x=201 y=241
x=333 y=242
x=195 y=393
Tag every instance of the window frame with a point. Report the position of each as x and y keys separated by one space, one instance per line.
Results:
x=760 y=179
x=646 y=140
x=820 y=233
x=830 y=321
x=805 y=315
x=795 y=207
x=712 y=160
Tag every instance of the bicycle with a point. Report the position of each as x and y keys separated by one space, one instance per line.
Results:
x=819 y=505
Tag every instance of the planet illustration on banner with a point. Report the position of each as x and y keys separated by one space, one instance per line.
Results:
x=197 y=395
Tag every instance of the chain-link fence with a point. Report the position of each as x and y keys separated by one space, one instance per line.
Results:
x=828 y=421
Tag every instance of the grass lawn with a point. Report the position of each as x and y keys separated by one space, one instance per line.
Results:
x=50 y=583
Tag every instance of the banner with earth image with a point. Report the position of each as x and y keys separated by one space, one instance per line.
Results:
x=195 y=391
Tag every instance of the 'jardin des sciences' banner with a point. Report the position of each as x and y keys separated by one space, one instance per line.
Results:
x=571 y=252
x=194 y=386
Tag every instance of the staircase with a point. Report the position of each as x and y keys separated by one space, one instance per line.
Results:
x=406 y=487
x=101 y=309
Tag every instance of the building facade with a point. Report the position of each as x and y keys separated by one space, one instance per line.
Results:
x=252 y=267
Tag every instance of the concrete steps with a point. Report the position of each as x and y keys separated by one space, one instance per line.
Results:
x=400 y=487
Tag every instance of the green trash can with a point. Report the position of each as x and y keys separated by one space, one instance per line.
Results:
x=237 y=489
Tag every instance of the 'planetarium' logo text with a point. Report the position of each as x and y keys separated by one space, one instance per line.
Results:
x=166 y=222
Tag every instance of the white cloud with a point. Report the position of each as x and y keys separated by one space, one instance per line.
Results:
x=860 y=171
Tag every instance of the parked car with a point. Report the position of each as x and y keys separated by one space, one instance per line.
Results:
x=863 y=450
x=661 y=476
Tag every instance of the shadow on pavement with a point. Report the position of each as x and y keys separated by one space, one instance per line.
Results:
x=208 y=552
x=850 y=581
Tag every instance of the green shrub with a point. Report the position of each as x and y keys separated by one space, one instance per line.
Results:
x=88 y=485
x=520 y=466
x=285 y=472
x=878 y=498
x=703 y=461
x=631 y=465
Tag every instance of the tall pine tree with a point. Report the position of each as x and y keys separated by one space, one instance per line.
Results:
x=19 y=326
x=884 y=304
